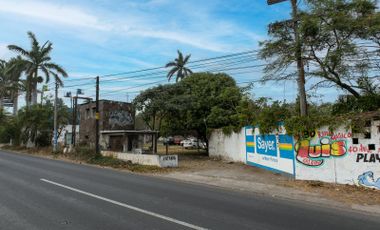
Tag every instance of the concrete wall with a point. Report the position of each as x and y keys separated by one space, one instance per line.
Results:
x=340 y=156
x=228 y=147
x=337 y=157
x=167 y=161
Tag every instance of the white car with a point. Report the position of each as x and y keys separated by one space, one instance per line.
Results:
x=192 y=143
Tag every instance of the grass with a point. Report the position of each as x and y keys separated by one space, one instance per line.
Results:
x=178 y=150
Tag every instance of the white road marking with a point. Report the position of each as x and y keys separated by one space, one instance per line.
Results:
x=126 y=206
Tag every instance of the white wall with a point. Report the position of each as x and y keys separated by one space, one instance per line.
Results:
x=358 y=165
x=343 y=162
x=228 y=147
x=166 y=161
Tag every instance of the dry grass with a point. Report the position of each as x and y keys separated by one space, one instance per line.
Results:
x=349 y=194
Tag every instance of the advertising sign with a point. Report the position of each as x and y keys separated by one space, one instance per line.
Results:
x=273 y=152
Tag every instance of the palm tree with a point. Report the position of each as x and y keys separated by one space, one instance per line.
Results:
x=178 y=66
x=10 y=84
x=3 y=82
x=34 y=60
x=14 y=71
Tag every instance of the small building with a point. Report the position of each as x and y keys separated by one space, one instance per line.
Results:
x=117 y=128
x=66 y=133
x=113 y=115
x=129 y=141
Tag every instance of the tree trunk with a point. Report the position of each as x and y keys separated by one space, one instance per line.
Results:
x=34 y=88
x=34 y=95
x=1 y=103
x=15 y=102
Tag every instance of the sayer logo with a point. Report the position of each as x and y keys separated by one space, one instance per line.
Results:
x=314 y=155
x=266 y=145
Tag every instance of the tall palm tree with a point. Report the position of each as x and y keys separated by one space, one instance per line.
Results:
x=14 y=71
x=178 y=67
x=34 y=60
x=3 y=82
x=10 y=84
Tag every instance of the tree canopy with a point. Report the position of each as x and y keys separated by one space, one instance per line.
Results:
x=199 y=102
x=331 y=32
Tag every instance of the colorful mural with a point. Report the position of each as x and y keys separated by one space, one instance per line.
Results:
x=314 y=155
x=367 y=180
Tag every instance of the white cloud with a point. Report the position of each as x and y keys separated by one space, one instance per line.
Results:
x=203 y=33
x=4 y=52
x=53 y=13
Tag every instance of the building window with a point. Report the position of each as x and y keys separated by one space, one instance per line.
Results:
x=371 y=147
x=93 y=112
x=88 y=113
x=355 y=141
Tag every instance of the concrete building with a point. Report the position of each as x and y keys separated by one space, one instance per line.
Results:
x=112 y=116
x=117 y=128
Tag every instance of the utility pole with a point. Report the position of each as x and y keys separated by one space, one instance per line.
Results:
x=73 y=131
x=97 y=147
x=298 y=55
x=55 y=144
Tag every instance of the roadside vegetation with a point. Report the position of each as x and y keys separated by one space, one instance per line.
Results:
x=340 y=50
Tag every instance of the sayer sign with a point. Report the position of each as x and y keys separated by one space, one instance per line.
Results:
x=266 y=145
x=270 y=152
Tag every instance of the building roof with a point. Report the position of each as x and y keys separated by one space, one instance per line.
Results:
x=105 y=100
x=128 y=132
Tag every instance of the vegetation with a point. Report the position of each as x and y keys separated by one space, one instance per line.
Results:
x=178 y=67
x=195 y=105
x=332 y=33
x=35 y=60
x=33 y=125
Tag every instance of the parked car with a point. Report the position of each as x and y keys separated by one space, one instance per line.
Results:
x=192 y=143
x=168 y=141
x=177 y=139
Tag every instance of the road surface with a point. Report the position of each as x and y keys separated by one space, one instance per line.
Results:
x=39 y=193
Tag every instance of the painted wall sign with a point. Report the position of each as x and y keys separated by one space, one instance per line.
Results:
x=272 y=152
x=266 y=145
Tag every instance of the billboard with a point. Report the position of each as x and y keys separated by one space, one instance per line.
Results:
x=273 y=152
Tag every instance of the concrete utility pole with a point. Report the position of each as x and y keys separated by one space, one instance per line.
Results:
x=97 y=147
x=298 y=54
x=55 y=144
x=75 y=116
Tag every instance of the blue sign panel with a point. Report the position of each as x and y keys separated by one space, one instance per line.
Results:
x=266 y=145
x=286 y=147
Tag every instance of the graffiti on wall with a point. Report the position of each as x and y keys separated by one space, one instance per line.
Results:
x=326 y=145
x=364 y=154
x=120 y=118
x=367 y=180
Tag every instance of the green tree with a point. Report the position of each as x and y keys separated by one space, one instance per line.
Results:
x=329 y=30
x=9 y=80
x=35 y=60
x=195 y=105
x=37 y=122
x=155 y=104
x=178 y=67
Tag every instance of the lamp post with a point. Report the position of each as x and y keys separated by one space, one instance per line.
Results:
x=298 y=54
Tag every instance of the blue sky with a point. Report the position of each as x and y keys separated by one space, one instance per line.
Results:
x=98 y=37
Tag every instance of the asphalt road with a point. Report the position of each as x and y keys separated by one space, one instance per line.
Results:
x=38 y=193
